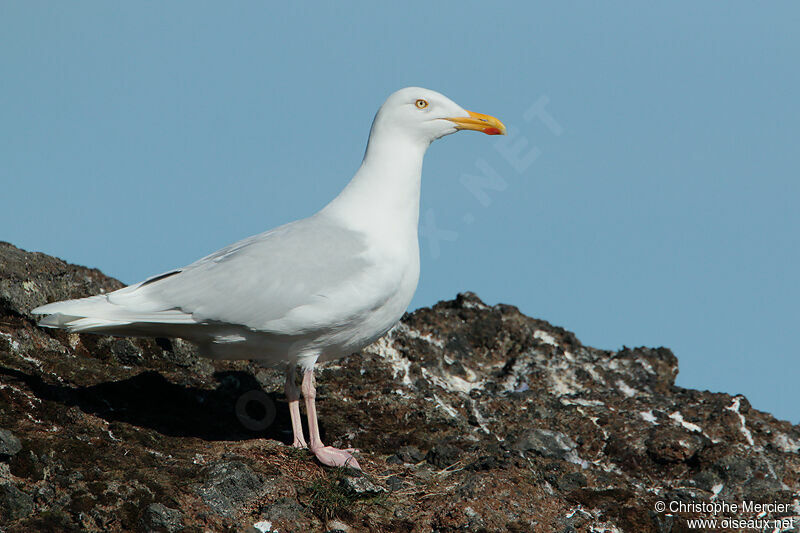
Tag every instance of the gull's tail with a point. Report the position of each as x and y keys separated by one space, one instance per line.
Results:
x=97 y=315
x=126 y=312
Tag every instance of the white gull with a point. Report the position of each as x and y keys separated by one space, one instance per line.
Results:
x=312 y=290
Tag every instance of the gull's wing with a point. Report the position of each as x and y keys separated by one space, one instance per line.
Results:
x=261 y=282
x=261 y=279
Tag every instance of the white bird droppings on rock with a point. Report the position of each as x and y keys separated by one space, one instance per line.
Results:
x=265 y=526
x=452 y=383
x=678 y=417
x=414 y=334
x=73 y=339
x=446 y=408
x=735 y=408
x=592 y=371
x=581 y=401
x=626 y=389
x=648 y=416
x=545 y=337
x=785 y=444
x=646 y=365
x=384 y=348
x=13 y=343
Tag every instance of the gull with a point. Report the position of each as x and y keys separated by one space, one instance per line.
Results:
x=310 y=291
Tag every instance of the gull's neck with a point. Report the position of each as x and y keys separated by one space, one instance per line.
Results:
x=383 y=196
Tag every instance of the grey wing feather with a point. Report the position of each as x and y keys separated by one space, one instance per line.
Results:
x=259 y=279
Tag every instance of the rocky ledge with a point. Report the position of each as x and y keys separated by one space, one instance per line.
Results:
x=470 y=417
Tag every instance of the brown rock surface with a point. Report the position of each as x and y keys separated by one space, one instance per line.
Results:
x=470 y=417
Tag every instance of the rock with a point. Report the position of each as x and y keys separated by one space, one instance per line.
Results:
x=572 y=481
x=229 y=486
x=669 y=445
x=406 y=454
x=284 y=509
x=126 y=352
x=262 y=526
x=178 y=351
x=5 y=472
x=525 y=429
x=336 y=526
x=546 y=443
x=159 y=518
x=443 y=455
x=485 y=463
x=410 y=454
x=359 y=485
x=394 y=460
x=395 y=483
x=9 y=444
x=14 y=504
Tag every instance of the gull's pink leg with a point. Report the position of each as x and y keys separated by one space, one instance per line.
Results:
x=326 y=455
x=293 y=395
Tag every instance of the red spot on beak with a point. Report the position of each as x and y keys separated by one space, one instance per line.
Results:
x=491 y=131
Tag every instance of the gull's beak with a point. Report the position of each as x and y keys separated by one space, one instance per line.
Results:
x=479 y=122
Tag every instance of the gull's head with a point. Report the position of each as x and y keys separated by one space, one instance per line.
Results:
x=424 y=115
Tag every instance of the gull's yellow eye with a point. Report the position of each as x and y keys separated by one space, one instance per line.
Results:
x=422 y=104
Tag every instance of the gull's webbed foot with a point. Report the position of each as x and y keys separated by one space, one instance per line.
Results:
x=330 y=456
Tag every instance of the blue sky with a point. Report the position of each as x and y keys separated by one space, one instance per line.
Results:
x=648 y=193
